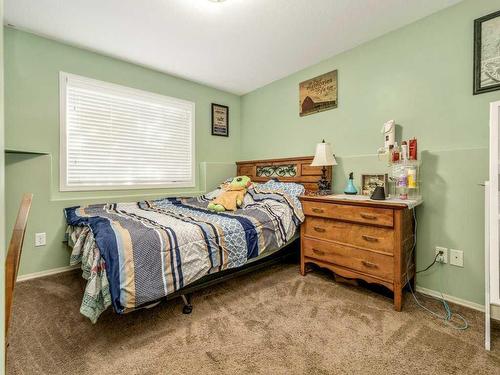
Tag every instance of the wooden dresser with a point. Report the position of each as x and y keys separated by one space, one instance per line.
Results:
x=368 y=240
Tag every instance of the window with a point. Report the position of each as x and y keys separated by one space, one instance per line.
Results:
x=115 y=137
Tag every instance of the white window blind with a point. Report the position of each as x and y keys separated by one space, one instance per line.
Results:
x=114 y=137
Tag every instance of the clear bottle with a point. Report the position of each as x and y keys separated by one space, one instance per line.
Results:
x=404 y=151
x=389 y=158
x=395 y=153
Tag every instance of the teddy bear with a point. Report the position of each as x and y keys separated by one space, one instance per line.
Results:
x=232 y=196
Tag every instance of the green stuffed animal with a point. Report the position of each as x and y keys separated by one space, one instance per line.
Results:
x=232 y=196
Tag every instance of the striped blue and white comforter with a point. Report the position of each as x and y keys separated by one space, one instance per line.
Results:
x=136 y=253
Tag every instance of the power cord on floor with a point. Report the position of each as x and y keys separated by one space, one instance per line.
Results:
x=448 y=312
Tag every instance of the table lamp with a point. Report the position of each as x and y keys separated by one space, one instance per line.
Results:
x=324 y=157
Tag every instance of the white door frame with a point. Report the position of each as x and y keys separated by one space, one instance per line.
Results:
x=494 y=243
x=487 y=306
x=491 y=224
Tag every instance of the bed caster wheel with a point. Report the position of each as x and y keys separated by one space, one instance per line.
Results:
x=186 y=298
x=187 y=309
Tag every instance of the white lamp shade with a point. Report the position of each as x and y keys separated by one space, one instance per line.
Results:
x=324 y=155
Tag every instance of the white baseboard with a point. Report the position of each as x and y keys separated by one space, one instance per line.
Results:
x=54 y=271
x=495 y=314
x=452 y=299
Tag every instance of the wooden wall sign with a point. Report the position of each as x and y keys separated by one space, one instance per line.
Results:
x=318 y=94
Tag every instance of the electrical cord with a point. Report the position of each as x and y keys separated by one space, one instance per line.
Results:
x=433 y=263
x=448 y=312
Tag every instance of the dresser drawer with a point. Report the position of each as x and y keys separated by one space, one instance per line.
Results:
x=370 y=237
x=359 y=214
x=356 y=259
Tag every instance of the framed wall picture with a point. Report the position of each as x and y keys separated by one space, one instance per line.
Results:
x=370 y=181
x=487 y=53
x=220 y=120
x=318 y=94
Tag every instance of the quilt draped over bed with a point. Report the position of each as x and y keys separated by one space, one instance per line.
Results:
x=135 y=253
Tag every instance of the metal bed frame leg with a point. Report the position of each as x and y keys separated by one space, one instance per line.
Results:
x=186 y=298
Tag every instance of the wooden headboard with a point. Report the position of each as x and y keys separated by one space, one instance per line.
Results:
x=296 y=170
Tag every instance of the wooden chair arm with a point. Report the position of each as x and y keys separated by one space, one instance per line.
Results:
x=14 y=255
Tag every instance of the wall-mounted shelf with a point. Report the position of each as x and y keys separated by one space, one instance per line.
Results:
x=26 y=152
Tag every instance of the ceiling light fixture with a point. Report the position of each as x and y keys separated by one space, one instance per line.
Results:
x=217 y=1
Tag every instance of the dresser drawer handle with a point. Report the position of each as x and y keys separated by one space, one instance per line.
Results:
x=317 y=210
x=319 y=252
x=319 y=229
x=369 y=238
x=368 y=216
x=369 y=264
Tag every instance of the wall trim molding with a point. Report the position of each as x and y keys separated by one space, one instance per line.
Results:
x=452 y=299
x=495 y=313
x=53 y=271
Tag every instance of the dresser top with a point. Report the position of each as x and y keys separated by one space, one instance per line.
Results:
x=363 y=200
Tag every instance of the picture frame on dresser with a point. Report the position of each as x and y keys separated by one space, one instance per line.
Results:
x=370 y=181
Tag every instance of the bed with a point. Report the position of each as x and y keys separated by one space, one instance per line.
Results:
x=136 y=254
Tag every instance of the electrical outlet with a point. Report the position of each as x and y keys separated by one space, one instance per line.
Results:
x=457 y=257
x=442 y=258
x=40 y=239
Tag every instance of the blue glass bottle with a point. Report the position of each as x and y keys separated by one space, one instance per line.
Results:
x=350 y=188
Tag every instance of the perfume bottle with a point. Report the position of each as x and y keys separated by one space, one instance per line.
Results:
x=350 y=188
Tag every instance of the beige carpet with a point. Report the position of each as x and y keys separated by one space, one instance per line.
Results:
x=269 y=322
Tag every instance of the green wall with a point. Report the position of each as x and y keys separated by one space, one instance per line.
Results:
x=421 y=76
x=32 y=66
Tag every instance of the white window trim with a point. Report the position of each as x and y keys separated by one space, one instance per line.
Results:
x=63 y=76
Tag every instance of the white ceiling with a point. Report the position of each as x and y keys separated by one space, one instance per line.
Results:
x=235 y=45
